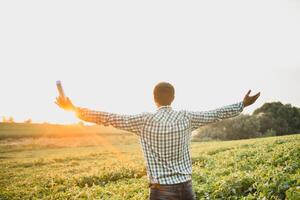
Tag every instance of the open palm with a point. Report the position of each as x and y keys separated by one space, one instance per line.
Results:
x=65 y=103
x=248 y=100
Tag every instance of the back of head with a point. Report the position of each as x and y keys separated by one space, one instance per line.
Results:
x=164 y=93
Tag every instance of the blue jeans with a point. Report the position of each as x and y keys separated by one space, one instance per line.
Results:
x=180 y=191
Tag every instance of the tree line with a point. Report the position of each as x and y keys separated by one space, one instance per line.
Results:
x=271 y=119
x=11 y=120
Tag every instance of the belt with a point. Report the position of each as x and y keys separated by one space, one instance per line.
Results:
x=157 y=185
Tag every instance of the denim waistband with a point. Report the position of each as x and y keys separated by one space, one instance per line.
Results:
x=156 y=185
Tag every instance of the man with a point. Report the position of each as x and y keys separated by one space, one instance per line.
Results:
x=165 y=138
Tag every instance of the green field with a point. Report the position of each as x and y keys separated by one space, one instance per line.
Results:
x=112 y=167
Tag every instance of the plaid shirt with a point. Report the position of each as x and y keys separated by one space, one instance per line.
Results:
x=164 y=135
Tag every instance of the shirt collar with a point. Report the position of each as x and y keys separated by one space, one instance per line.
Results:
x=168 y=107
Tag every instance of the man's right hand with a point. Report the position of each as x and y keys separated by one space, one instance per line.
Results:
x=65 y=103
x=248 y=100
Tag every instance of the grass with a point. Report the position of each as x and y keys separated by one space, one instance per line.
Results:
x=112 y=167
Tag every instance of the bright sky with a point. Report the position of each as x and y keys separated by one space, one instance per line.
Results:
x=110 y=54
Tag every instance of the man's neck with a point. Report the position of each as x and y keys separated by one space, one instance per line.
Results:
x=164 y=107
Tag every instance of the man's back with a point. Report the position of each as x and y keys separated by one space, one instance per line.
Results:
x=165 y=139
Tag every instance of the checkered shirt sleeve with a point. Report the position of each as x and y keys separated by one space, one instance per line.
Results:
x=205 y=117
x=131 y=123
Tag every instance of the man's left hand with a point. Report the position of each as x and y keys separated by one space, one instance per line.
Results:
x=248 y=100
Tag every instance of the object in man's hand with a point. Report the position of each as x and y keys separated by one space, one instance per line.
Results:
x=60 y=89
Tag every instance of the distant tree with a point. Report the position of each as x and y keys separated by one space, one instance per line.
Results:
x=283 y=119
x=241 y=127
x=28 y=121
x=213 y=131
x=4 y=119
x=11 y=120
x=268 y=108
x=270 y=132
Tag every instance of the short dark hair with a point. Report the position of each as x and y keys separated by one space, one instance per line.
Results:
x=164 y=93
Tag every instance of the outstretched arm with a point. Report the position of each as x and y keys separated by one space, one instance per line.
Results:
x=205 y=117
x=131 y=123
